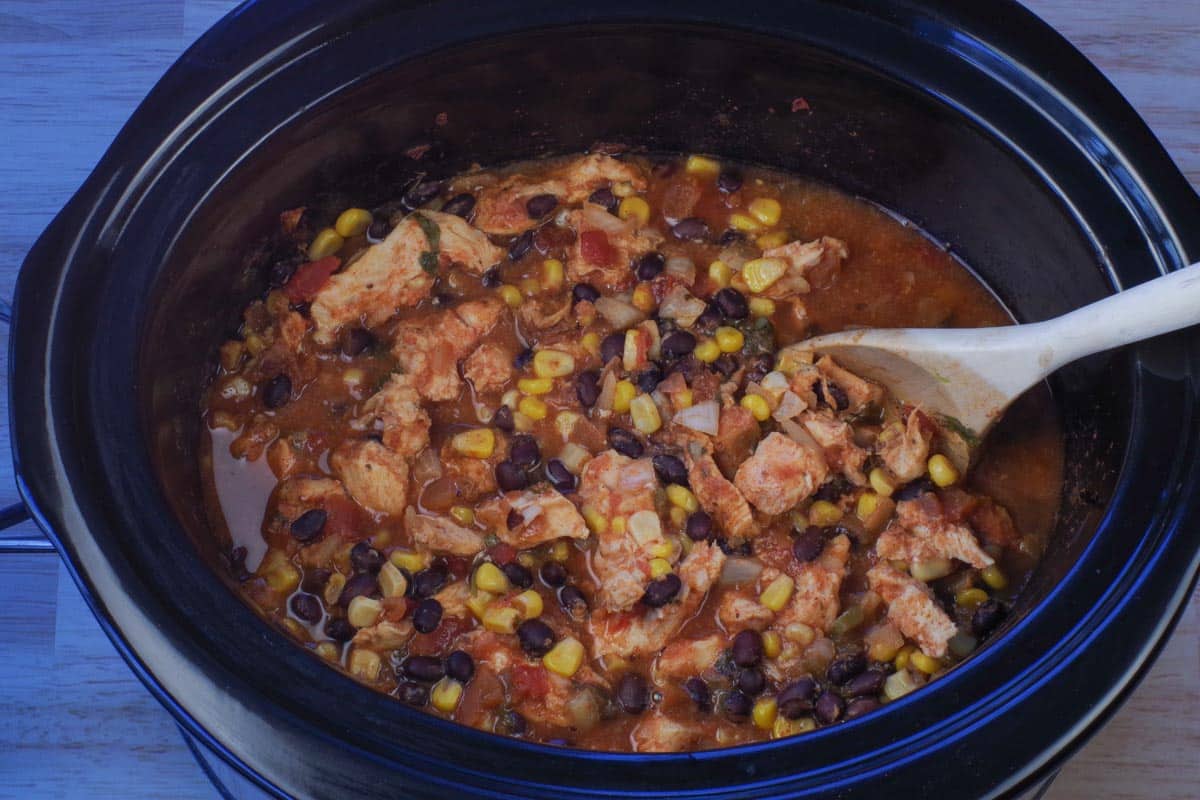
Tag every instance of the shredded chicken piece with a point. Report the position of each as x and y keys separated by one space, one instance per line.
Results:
x=429 y=348
x=395 y=411
x=814 y=263
x=376 y=477
x=837 y=440
x=904 y=449
x=442 y=535
x=780 y=474
x=472 y=477
x=912 y=608
x=859 y=393
x=384 y=635
x=719 y=497
x=922 y=533
x=737 y=434
x=683 y=658
x=659 y=733
x=546 y=515
x=601 y=255
x=740 y=610
x=815 y=600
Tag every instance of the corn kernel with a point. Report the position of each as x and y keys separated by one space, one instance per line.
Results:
x=994 y=577
x=623 y=396
x=284 y=578
x=231 y=354
x=333 y=588
x=529 y=603
x=778 y=593
x=766 y=210
x=702 y=166
x=535 y=386
x=353 y=377
x=530 y=286
x=324 y=244
x=478 y=603
x=618 y=526
x=501 y=619
x=678 y=516
x=772 y=644
x=683 y=497
x=636 y=208
x=659 y=567
x=409 y=560
x=707 y=351
x=645 y=414
x=663 y=549
x=880 y=483
x=764 y=713
x=898 y=684
x=363 y=611
x=511 y=295
x=446 y=695
x=491 y=578
x=364 y=664
x=823 y=514
x=762 y=273
x=730 y=340
x=463 y=515
x=931 y=569
x=900 y=662
x=762 y=306
x=866 y=505
x=565 y=658
x=744 y=223
x=526 y=560
x=553 y=363
x=533 y=408
x=784 y=727
x=941 y=471
x=757 y=406
x=801 y=633
x=560 y=551
x=522 y=423
x=789 y=361
x=597 y=523
x=924 y=663
x=970 y=598
x=352 y=222
x=683 y=398
x=392 y=581
x=552 y=274
x=770 y=240
x=591 y=342
x=720 y=273
x=255 y=344
x=644 y=526
x=573 y=456
x=643 y=298
x=475 y=443
x=329 y=651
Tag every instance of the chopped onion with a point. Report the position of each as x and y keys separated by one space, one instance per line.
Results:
x=740 y=570
x=682 y=307
x=796 y=433
x=704 y=417
x=637 y=475
x=584 y=709
x=790 y=405
x=427 y=466
x=682 y=268
x=596 y=218
x=608 y=388
x=620 y=315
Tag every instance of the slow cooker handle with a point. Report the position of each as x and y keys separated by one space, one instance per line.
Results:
x=18 y=542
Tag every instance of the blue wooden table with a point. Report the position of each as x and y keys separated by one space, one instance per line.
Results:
x=75 y=723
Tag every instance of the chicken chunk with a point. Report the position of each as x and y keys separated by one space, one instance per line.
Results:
x=659 y=733
x=857 y=393
x=904 y=449
x=739 y=610
x=912 y=608
x=922 y=533
x=737 y=434
x=837 y=440
x=471 y=477
x=395 y=411
x=604 y=247
x=295 y=496
x=719 y=497
x=390 y=275
x=815 y=600
x=545 y=516
x=814 y=263
x=430 y=347
x=384 y=635
x=683 y=658
x=376 y=477
x=441 y=535
x=780 y=474
x=489 y=368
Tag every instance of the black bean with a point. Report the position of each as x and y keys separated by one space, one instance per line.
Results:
x=729 y=181
x=662 y=591
x=536 y=637
x=869 y=682
x=520 y=246
x=365 y=558
x=846 y=666
x=796 y=699
x=832 y=395
x=307 y=607
x=612 y=347
x=491 y=279
x=524 y=451
x=986 y=617
x=460 y=666
x=355 y=340
x=364 y=584
x=277 y=392
x=747 y=648
x=523 y=358
x=692 y=229
x=632 y=693
x=517 y=575
x=308 y=526
x=757 y=367
x=697 y=689
x=585 y=291
x=648 y=379
x=625 y=442
x=649 y=266
x=605 y=198
x=699 y=526
x=670 y=469
x=315 y=580
x=413 y=694
x=510 y=723
x=725 y=364
x=461 y=205
x=572 y=600
x=737 y=706
x=540 y=205
x=744 y=548
x=709 y=318
x=425 y=669
x=560 y=477
x=553 y=574
x=912 y=491
x=514 y=520
x=678 y=344
x=428 y=582
x=859 y=706
x=732 y=303
x=427 y=616
x=510 y=477
x=339 y=629
x=421 y=194
x=809 y=544
x=730 y=236
x=282 y=271
x=378 y=230
x=828 y=708
x=503 y=419
x=752 y=681
x=587 y=387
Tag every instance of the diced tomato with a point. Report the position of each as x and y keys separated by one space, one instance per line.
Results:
x=309 y=279
x=529 y=681
x=457 y=566
x=343 y=518
x=595 y=248
x=502 y=553
x=438 y=642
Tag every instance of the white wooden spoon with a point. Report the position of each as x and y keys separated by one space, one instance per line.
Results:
x=969 y=376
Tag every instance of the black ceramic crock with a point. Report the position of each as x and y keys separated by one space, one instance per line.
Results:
x=974 y=120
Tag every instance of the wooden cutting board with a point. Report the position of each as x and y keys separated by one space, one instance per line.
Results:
x=73 y=720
